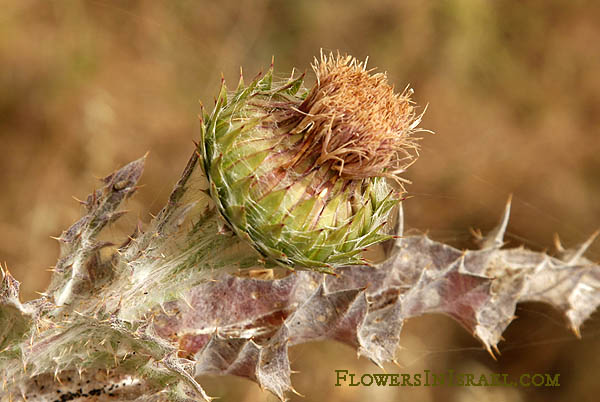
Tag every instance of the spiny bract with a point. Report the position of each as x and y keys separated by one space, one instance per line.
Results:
x=301 y=174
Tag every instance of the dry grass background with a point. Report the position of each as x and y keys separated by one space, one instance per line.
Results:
x=514 y=96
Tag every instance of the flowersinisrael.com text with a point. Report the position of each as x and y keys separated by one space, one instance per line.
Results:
x=448 y=378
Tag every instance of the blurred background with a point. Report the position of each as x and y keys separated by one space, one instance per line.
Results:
x=513 y=90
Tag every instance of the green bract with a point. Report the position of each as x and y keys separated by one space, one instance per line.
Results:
x=273 y=186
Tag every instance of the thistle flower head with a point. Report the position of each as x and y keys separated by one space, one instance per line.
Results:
x=303 y=175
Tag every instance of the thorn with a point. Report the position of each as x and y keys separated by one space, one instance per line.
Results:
x=572 y=256
x=400 y=222
x=186 y=301
x=476 y=233
x=57 y=378
x=576 y=331
x=557 y=243
x=398 y=234
x=583 y=248
x=365 y=262
x=397 y=363
x=495 y=238
x=378 y=364
x=489 y=350
x=292 y=389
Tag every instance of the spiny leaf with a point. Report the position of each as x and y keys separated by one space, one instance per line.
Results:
x=479 y=288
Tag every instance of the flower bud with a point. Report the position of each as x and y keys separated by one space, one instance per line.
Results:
x=306 y=176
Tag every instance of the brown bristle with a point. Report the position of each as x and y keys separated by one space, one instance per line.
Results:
x=354 y=120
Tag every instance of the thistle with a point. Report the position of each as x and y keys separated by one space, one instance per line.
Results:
x=307 y=176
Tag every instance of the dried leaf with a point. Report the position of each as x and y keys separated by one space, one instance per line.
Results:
x=244 y=326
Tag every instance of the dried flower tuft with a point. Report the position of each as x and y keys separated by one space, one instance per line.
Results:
x=356 y=120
